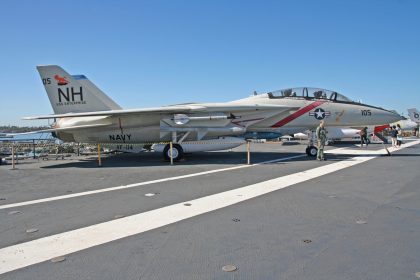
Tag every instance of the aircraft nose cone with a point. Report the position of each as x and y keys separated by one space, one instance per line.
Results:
x=389 y=116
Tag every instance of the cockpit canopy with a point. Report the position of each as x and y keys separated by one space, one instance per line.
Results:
x=309 y=93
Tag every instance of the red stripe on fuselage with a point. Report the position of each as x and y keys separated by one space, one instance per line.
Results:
x=298 y=113
x=380 y=128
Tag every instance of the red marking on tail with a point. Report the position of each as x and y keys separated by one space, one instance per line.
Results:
x=61 y=81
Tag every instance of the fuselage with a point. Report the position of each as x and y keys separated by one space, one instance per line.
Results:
x=302 y=113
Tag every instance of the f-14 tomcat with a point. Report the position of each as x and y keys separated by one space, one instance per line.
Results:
x=85 y=114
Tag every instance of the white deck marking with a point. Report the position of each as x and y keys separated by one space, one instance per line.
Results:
x=359 y=151
x=46 y=248
x=333 y=151
x=365 y=151
x=30 y=202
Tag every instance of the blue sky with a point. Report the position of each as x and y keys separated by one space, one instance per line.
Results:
x=151 y=53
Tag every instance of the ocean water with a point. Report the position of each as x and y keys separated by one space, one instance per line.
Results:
x=30 y=137
x=21 y=142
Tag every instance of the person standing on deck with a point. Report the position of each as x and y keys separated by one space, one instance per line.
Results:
x=321 y=134
x=363 y=137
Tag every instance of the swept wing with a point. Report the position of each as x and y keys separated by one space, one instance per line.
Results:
x=193 y=108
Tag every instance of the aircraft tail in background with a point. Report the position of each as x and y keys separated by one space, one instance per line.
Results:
x=414 y=115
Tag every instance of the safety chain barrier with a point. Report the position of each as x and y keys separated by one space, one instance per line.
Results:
x=168 y=142
x=27 y=145
x=30 y=145
x=18 y=147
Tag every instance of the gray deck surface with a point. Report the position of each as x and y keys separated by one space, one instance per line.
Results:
x=361 y=222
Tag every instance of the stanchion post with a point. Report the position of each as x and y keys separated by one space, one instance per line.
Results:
x=170 y=152
x=99 y=155
x=33 y=148
x=248 y=152
x=13 y=156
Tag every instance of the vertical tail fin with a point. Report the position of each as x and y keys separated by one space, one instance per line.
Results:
x=414 y=115
x=73 y=94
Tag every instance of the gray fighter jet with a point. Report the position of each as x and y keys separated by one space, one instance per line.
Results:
x=83 y=113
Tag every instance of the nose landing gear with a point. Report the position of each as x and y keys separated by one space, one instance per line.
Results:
x=311 y=150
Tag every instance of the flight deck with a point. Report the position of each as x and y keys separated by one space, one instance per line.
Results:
x=212 y=216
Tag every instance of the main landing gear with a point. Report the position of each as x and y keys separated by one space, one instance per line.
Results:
x=311 y=150
x=177 y=152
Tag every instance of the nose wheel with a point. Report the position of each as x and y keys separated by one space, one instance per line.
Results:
x=311 y=151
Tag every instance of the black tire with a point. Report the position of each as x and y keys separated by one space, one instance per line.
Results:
x=178 y=152
x=312 y=151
